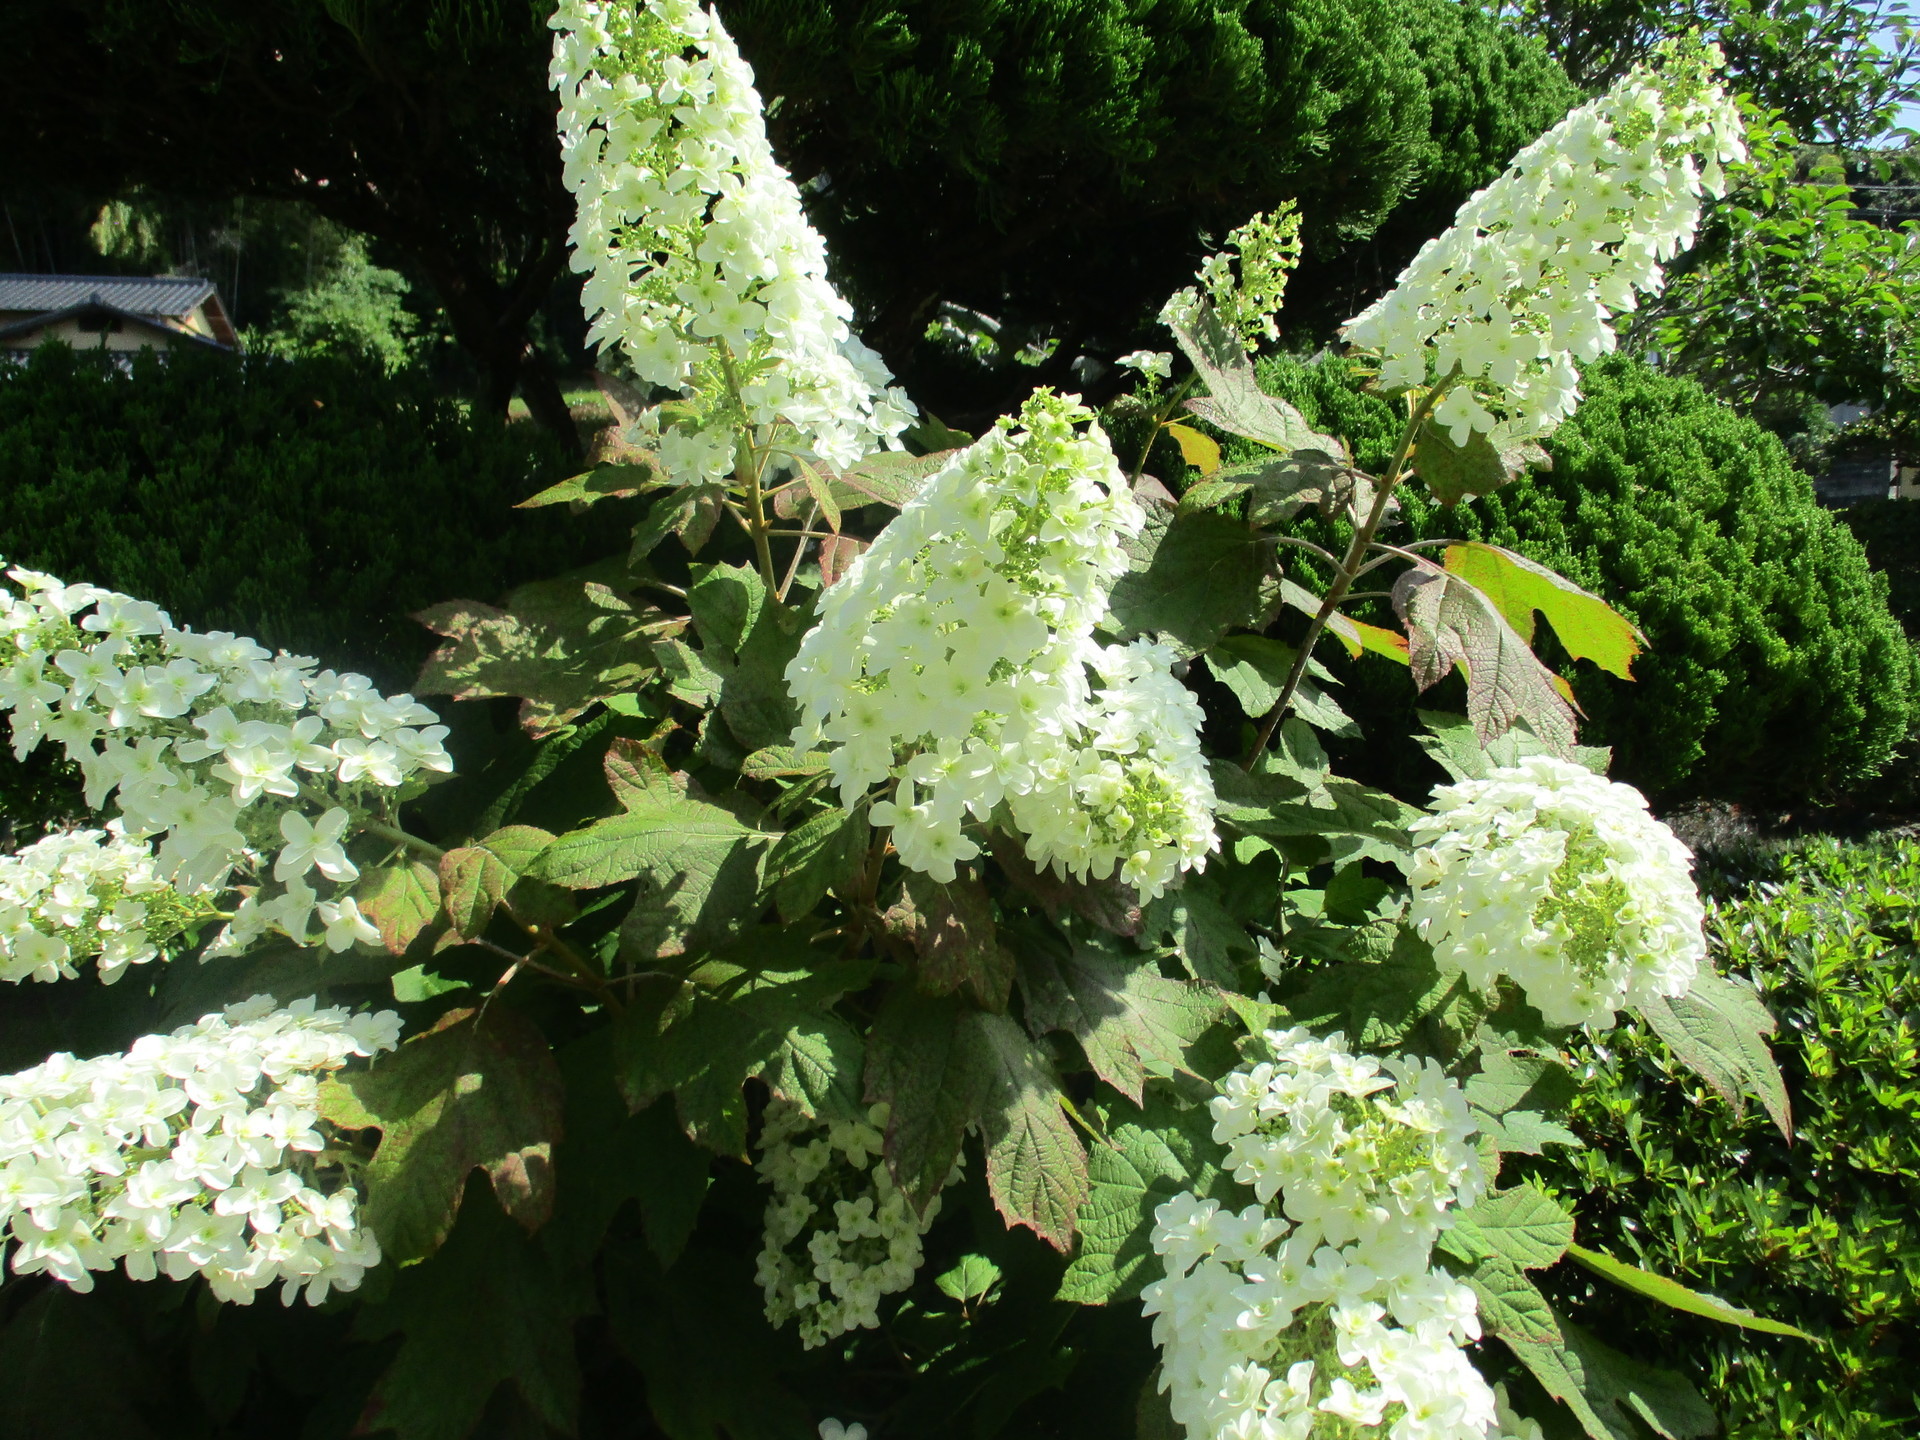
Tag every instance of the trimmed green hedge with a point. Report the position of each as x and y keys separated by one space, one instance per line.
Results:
x=1823 y=1233
x=311 y=503
x=1775 y=671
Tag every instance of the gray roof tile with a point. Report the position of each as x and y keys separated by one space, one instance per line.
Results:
x=135 y=294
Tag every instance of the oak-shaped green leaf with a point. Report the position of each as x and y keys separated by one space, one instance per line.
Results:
x=784 y=762
x=1036 y=1165
x=925 y=1061
x=1718 y=1029
x=611 y=481
x=1588 y=628
x=476 y=878
x=1523 y=1225
x=401 y=900
x=1129 y=1019
x=1234 y=400
x=479 y=1090
x=1255 y=669
x=1148 y=1156
x=557 y=645
x=726 y=601
x=489 y=1309
x=950 y=927
x=825 y=851
x=1453 y=472
x=973 y=1279
x=1451 y=623
x=664 y=838
x=1208 y=573
x=703 y=1037
x=1203 y=932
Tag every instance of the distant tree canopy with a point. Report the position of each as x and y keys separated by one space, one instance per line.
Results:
x=1051 y=163
x=1835 y=70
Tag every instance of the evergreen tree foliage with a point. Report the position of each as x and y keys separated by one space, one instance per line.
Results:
x=1052 y=163
x=1774 y=669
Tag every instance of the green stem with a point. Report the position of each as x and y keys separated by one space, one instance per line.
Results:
x=747 y=468
x=1174 y=397
x=1350 y=566
x=401 y=837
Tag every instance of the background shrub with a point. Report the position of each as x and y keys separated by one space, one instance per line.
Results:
x=1824 y=1233
x=311 y=503
x=1890 y=531
x=1775 y=671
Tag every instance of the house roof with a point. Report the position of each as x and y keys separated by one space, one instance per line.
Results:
x=163 y=324
x=172 y=295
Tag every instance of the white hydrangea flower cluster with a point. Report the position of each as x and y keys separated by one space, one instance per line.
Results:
x=1560 y=879
x=87 y=894
x=958 y=655
x=1329 y=1316
x=1246 y=296
x=840 y=1237
x=213 y=746
x=701 y=263
x=1527 y=281
x=200 y=1152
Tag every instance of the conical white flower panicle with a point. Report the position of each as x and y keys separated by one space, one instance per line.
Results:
x=698 y=256
x=840 y=1236
x=1316 y=1309
x=1536 y=266
x=1559 y=878
x=196 y=1153
x=87 y=895
x=957 y=658
x=219 y=752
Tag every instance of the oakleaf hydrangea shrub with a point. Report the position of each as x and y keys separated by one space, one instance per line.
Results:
x=840 y=1235
x=1319 y=1299
x=199 y=1152
x=1820 y=1231
x=1559 y=878
x=958 y=654
x=222 y=752
x=1773 y=671
x=1523 y=287
x=702 y=268
x=975 y=965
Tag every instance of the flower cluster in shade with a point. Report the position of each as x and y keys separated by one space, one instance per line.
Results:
x=840 y=1236
x=195 y=1153
x=1560 y=879
x=701 y=265
x=87 y=895
x=957 y=660
x=1246 y=281
x=1528 y=281
x=220 y=753
x=1316 y=1309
